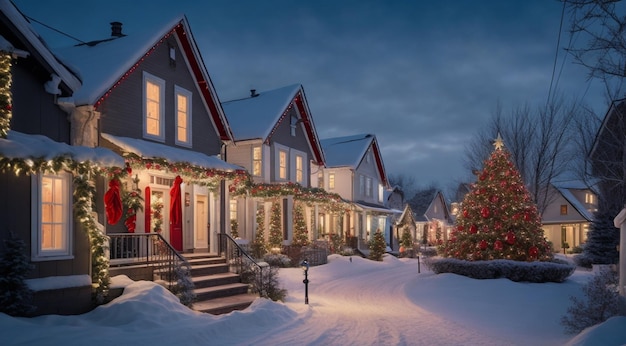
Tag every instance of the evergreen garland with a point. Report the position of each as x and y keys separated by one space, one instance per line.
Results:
x=15 y=296
x=259 y=247
x=276 y=234
x=6 y=106
x=300 y=233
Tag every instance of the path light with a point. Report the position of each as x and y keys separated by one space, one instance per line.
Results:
x=305 y=268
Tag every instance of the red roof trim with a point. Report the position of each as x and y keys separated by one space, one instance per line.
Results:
x=316 y=146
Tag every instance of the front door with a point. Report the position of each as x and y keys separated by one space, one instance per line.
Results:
x=201 y=223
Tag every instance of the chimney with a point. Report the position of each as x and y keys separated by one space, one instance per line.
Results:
x=253 y=93
x=116 y=29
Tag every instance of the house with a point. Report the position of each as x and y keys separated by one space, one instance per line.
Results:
x=566 y=219
x=45 y=182
x=355 y=170
x=405 y=223
x=394 y=200
x=432 y=217
x=147 y=96
x=607 y=159
x=276 y=141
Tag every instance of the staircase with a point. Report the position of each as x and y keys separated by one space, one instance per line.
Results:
x=218 y=291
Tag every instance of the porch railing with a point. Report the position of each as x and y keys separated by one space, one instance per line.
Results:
x=240 y=262
x=149 y=249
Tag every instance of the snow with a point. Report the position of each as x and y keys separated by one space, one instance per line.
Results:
x=148 y=149
x=346 y=151
x=25 y=146
x=266 y=109
x=357 y=302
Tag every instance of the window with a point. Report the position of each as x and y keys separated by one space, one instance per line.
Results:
x=183 y=116
x=52 y=230
x=256 y=161
x=153 y=95
x=299 y=174
x=564 y=209
x=381 y=193
x=282 y=164
x=320 y=180
x=331 y=181
x=367 y=156
x=361 y=185
x=589 y=198
x=368 y=187
x=293 y=124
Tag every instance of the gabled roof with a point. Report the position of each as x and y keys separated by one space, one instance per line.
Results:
x=257 y=117
x=36 y=46
x=423 y=200
x=105 y=65
x=349 y=151
x=406 y=217
x=616 y=106
x=580 y=208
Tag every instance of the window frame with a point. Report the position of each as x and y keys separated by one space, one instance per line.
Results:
x=283 y=164
x=331 y=180
x=149 y=78
x=256 y=161
x=179 y=91
x=299 y=168
x=563 y=209
x=38 y=253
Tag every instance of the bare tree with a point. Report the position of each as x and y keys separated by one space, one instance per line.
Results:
x=540 y=143
x=406 y=183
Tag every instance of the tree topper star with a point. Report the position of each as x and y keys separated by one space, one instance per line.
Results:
x=498 y=143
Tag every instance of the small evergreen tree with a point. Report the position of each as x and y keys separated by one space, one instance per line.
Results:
x=276 y=234
x=602 y=302
x=259 y=246
x=407 y=240
x=184 y=285
x=498 y=218
x=377 y=246
x=602 y=241
x=15 y=296
x=300 y=233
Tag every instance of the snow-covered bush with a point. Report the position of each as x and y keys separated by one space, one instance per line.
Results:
x=278 y=260
x=184 y=287
x=554 y=271
x=602 y=302
x=15 y=296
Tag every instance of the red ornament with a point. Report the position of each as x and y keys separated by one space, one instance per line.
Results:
x=497 y=245
x=460 y=227
x=533 y=252
x=510 y=237
x=483 y=244
x=484 y=212
x=483 y=177
x=148 y=165
x=493 y=199
x=473 y=229
x=527 y=216
x=465 y=213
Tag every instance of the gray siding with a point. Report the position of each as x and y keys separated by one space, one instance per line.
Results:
x=122 y=110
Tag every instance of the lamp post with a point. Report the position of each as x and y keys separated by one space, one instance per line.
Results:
x=305 y=268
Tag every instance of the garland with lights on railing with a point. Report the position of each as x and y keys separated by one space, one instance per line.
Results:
x=84 y=192
x=330 y=202
x=6 y=106
x=192 y=174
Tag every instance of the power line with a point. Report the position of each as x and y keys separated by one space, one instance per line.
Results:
x=556 y=54
x=53 y=29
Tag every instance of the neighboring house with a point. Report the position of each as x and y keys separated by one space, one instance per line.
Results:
x=566 y=219
x=276 y=141
x=394 y=200
x=44 y=182
x=148 y=96
x=607 y=159
x=355 y=170
x=406 y=222
x=432 y=218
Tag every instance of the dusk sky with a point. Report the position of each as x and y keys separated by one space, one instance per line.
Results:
x=423 y=76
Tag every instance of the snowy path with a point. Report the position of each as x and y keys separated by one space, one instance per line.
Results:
x=345 y=310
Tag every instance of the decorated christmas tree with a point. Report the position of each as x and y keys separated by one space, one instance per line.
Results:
x=377 y=246
x=259 y=247
x=300 y=233
x=276 y=234
x=498 y=219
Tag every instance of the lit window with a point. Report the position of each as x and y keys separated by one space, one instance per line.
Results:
x=299 y=173
x=282 y=164
x=564 y=209
x=183 y=116
x=589 y=198
x=320 y=179
x=331 y=181
x=368 y=187
x=153 y=106
x=256 y=161
x=381 y=193
x=233 y=209
x=52 y=225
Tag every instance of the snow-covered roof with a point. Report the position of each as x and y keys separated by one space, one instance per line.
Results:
x=257 y=116
x=24 y=27
x=346 y=151
x=18 y=145
x=567 y=194
x=8 y=47
x=148 y=149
